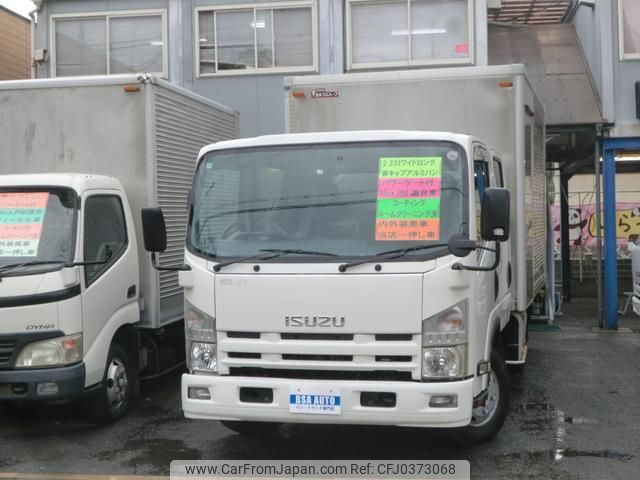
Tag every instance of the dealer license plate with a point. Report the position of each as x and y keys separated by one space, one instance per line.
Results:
x=315 y=400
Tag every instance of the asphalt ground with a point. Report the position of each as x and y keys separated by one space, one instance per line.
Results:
x=575 y=414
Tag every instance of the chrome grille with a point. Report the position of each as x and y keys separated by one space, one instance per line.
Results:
x=323 y=354
x=375 y=375
x=317 y=336
x=319 y=358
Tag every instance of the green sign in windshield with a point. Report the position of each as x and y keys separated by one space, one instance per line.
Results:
x=408 y=205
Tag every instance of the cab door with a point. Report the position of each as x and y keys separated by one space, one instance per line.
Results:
x=110 y=295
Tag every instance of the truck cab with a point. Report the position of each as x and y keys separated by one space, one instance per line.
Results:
x=323 y=288
x=69 y=286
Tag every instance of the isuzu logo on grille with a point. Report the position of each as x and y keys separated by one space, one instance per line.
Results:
x=313 y=321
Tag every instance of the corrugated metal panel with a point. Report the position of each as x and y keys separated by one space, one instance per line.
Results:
x=538 y=234
x=556 y=67
x=183 y=126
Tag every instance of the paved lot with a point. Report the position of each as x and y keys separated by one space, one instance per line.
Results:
x=575 y=415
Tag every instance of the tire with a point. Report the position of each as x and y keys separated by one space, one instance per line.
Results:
x=251 y=428
x=486 y=424
x=112 y=401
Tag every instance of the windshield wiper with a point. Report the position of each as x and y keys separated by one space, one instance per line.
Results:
x=389 y=254
x=64 y=263
x=7 y=268
x=268 y=253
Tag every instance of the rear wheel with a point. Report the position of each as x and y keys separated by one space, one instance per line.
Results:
x=112 y=401
x=251 y=428
x=490 y=411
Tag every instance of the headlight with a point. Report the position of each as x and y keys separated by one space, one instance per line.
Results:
x=446 y=328
x=198 y=325
x=51 y=352
x=443 y=362
x=202 y=357
x=200 y=333
x=444 y=343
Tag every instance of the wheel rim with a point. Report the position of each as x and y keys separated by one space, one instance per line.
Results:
x=117 y=384
x=482 y=414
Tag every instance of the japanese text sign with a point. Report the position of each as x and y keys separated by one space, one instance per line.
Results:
x=21 y=218
x=408 y=205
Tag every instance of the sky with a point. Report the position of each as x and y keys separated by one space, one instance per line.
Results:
x=23 y=7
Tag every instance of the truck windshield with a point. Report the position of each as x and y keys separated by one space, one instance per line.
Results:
x=350 y=200
x=37 y=228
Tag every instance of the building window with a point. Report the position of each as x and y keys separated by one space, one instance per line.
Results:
x=400 y=33
x=629 y=27
x=257 y=39
x=103 y=44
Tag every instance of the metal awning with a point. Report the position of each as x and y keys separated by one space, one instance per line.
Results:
x=555 y=66
x=558 y=72
x=530 y=12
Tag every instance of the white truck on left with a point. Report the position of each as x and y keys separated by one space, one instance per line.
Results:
x=82 y=311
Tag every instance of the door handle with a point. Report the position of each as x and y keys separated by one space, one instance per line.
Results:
x=131 y=291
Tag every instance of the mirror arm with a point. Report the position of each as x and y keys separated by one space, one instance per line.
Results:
x=156 y=265
x=460 y=266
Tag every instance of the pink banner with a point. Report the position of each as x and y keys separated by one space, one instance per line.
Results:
x=409 y=187
x=24 y=199
x=582 y=224
x=20 y=231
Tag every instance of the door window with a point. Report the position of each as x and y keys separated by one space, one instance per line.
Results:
x=481 y=180
x=105 y=234
x=497 y=171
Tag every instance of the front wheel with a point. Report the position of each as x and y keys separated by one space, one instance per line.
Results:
x=112 y=401
x=251 y=428
x=490 y=411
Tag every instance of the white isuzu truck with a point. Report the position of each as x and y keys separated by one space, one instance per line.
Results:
x=375 y=275
x=82 y=311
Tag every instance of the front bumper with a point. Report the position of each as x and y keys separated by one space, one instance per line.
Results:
x=411 y=409
x=636 y=304
x=20 y=385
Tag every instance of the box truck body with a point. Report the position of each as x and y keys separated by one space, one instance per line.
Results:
x=76 y=135
x=496 y=104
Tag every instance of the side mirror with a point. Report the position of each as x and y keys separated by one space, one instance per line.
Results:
x=460 y=245
x=494 y=220
x=154 y=230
